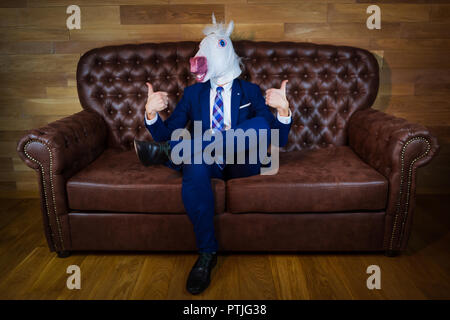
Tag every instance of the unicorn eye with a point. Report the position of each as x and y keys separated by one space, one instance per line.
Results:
x=222 y=43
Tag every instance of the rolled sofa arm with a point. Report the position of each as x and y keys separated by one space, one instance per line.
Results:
x=57 y=151
x=395 y=148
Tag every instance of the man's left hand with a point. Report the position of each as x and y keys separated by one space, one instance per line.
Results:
x=276 y=98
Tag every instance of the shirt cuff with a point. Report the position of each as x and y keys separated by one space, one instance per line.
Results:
x=285 y=120
x=150 y=122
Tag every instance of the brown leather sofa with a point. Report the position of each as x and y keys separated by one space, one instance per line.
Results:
x=346 y=181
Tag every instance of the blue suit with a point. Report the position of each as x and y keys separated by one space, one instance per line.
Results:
x=197 y=192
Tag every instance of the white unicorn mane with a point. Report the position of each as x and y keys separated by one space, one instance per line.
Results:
x=218 y=29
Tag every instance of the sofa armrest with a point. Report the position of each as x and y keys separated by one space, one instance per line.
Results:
x=57 y=151
x=395 y=148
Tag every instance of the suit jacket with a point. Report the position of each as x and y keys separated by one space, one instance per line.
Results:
x=246 y=102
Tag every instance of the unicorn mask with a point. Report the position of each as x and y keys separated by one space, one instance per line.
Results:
x=216 y=59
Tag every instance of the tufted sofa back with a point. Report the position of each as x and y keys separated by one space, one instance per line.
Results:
x=327 y=84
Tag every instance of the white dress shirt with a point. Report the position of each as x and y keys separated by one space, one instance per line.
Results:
x=226 y=96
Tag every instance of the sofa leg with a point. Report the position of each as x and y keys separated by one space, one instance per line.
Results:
x=63 y=254
x=391 y=253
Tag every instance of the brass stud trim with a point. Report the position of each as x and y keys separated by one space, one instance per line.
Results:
x=408 y=188
x=45 y=191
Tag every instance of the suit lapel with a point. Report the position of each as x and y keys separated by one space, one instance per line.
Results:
x=236 y=95
x=205 y=105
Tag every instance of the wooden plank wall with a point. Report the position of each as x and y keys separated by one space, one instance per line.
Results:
x=38 y=57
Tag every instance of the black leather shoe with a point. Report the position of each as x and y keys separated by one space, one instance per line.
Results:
x=200 y=275
x=152 y=152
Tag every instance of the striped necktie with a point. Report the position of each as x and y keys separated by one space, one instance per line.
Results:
x=217 y=116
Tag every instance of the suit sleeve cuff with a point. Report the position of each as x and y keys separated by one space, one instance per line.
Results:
x=285 y=120
x=150 y=122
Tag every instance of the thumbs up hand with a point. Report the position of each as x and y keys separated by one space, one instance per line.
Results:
x=276 y=98
x=156 y=101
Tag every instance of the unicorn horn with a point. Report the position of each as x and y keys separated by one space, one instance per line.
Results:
x=213 y=19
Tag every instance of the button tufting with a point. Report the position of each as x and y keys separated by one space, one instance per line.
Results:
x=316 y=59
x=316 y=93
x=139 y=95
x=305 y=76
x=129 y=79
x=110 y=80
x=119 y=95
x=138 y=62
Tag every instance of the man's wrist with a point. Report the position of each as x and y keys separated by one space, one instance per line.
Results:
x=151 y=115
x=284 y=112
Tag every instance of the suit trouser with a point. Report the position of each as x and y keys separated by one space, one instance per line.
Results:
x=197 y=192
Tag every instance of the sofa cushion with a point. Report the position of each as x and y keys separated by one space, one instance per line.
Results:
x=330 y=179
x=117 y=182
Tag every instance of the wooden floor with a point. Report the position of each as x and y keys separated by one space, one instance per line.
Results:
x=29 y=271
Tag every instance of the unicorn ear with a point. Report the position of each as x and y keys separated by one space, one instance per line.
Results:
x=230 y=28
x=213 y=19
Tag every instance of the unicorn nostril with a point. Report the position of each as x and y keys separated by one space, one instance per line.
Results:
x=198 y=64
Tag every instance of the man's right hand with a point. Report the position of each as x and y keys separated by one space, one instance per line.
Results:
x=156 y=101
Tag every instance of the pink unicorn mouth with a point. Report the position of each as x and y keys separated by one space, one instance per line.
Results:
x=199 y=67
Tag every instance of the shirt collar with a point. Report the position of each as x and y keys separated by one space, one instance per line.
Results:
x=226 y=87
